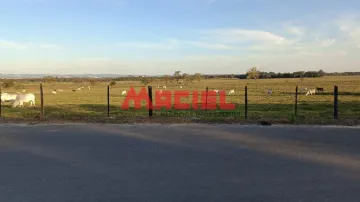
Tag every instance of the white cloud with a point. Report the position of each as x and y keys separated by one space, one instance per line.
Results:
x=350 y=26
x=12 y=45
x=242 y=35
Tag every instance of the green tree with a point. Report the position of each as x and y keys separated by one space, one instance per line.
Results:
x=321 y=73
x=112 y=83
x=253 y=73
x=145 y=80
x=197 y=76
x=177 y=76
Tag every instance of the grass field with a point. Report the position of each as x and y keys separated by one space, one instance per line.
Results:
x=91 y=105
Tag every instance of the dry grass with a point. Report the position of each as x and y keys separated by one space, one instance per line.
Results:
x=91 y=105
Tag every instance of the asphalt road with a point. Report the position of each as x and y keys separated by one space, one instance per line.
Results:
x=63 y=163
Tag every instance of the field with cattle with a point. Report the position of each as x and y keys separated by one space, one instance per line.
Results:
x=90 y=104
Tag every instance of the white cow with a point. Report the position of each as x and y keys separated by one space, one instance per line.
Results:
x=7 y=97
x=89 y=87
x=164 y=87
x=20 y=99
x=231 y=92
x=310 y=92
x=180 y=86
x=219 y=91
x=124 y=92
x=53 y=92
x=60 y=90
x=79 y=88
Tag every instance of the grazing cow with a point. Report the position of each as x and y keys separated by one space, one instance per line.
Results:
x=320 y=89
x=79 y=88
x=73 y=90
x=59 y=90
x=53 y=92
x=180 y=86
x=164 y=87
x=124 y=92
x=231 y=92
x=82 y=86
x=24 y=91
x=310 y=92
x=20 y=99
x=6 y=97
x=89 y=87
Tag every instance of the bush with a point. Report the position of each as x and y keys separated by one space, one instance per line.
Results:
x=113 y=83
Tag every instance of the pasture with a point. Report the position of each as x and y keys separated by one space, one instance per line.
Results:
x=91 y=104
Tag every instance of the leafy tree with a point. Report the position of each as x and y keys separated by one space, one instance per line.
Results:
x=177 y=76
x=197 y=76
x=321 y=73
x=253 y=73
x=145 y=80
x=113 y=83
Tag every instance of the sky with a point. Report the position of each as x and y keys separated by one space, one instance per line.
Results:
x=162 y=36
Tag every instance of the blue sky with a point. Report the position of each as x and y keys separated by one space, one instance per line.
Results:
x=162 y=36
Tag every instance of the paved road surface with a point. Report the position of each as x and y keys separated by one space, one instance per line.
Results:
x=108 y=163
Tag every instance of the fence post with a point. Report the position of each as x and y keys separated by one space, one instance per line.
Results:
x=150 y=101
x=42 y=101
x=296 y=100
x=108 y=100
x=246 y=102
x=206 y=98
x=336 y=115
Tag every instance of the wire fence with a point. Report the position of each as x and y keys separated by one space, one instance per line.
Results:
x=250 y=104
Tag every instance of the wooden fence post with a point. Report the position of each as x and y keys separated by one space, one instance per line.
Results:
x=296 y=100
x=246 y=102
x=108 y=101
x=150 y=101
x=42 y=102
x=206 y=98
x=336 y=101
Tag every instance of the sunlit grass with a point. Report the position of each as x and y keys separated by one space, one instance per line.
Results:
x=91 y=104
